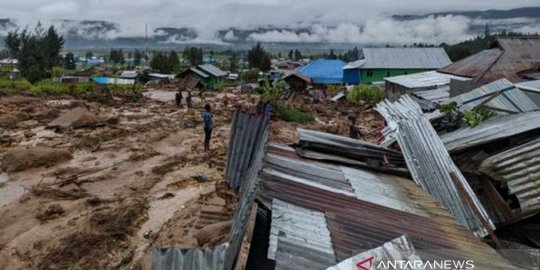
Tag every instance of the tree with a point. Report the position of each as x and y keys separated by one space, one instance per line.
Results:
x=173 y=62
x=193 y=55
x=13 y=43
x=458 y=52
x=52 y=44
x=298 y=55
x=332 y=54
x=233 y=62
x=486 y=31
x=38 y=52
x=291 y=55
x=116 y=56
x=137 y=57
x=69 y=61
x=158 y=61
x=89 y=55
x=259 y=58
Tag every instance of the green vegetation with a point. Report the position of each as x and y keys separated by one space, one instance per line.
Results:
x=165 y=63
x=250 y=75
x=293 y=115
x=117 y=56
x=482 y=42
x=449 y=107
x=272 y=91
x=475 y=117
x=259 y=58
x=51 y=88
x=38 y=51
x=368 y=93
x=193 y=55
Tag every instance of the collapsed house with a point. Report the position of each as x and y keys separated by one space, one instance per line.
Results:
x=208 y=75
x=330 y=202
x=430 y=85
x=510 y=58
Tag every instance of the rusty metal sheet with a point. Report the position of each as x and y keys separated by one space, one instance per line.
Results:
x=519 y=170
x=511 y=57
x=431 y=166
x=358 y=222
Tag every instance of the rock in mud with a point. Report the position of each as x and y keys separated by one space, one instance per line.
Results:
x=79 y=117
x=19 y=159
x=52 y=212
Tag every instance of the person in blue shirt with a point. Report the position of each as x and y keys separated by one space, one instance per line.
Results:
x=267 y=109
x=208 y=124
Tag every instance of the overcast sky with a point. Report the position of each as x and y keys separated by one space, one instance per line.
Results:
x=210 y=15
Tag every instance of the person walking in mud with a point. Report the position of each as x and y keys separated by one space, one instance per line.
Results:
x=189 y=100
x=178 y=98
x=208 y=125
x=201 y=96
x=354 y=131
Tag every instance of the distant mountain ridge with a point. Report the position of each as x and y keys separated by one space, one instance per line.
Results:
x=101 y=34
x=492 y=14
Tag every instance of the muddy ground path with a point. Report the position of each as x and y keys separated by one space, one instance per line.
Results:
x=134 y=177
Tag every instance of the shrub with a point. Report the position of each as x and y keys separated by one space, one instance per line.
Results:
x=368 y=93
x=477 y=116
x=250 y=75
x=293 y=115
x=20 y=84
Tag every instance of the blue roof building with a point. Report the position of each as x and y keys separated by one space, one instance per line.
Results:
x=324 y=71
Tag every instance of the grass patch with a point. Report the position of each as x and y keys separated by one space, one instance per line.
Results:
x=49 y=87
x=289 y=114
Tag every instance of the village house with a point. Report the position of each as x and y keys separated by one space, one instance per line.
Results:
x=323 y=71
x=298 y=82
x=210 y=76
x=379 y=63
x=429 y=85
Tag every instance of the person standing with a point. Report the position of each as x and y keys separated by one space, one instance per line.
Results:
x=267 y=109
x=208 y=125
x=189 y=100
x=178 y=98
x=354 y=131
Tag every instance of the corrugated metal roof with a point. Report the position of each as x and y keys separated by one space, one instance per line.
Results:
x=406 y=58
x=324 y=71
x=246 y=151
x=185 y=259
x=330 y=147
x=530 y=84
x=380 y=208
x=491 y=130
x=474 y=65
x=199 y=72
x=303 y=229
x=513 y=56
x=399 y=249
x=355 y=65
x=212 y=70
x=429 y=79
x=438 y=95
x=509 y=98
x=519 y=170
x=430 y=164
x=129 y=74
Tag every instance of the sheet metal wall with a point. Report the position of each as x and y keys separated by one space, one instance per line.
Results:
x=430 y=164
x=249 y=135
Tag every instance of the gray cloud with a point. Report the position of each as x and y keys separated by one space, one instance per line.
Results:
x=330 y=21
